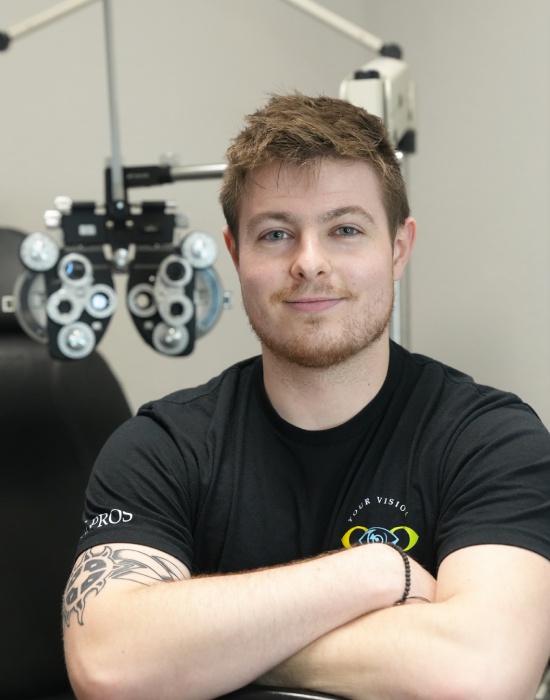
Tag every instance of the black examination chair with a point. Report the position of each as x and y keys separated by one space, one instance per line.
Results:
x=54 y=418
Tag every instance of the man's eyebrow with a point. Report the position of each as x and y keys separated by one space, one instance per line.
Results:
x=280 y=216
x=346 y=211
x=285 y=217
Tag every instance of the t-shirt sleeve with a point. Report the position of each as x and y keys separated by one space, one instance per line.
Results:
x=495 y=485
x=140 y=492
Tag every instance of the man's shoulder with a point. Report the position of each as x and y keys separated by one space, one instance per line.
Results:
x=450 y=387
x=429 y=366
x=232 y=382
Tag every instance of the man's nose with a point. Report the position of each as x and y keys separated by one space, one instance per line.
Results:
x=310 y=259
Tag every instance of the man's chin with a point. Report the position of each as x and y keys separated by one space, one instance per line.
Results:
x=318 y=355
x=316 y=345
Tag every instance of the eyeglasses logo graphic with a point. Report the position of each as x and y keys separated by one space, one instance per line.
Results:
x=404 y=537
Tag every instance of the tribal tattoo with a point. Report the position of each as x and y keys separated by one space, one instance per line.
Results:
x=97 y=567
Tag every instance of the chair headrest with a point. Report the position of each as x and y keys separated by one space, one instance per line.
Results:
x=10 y=269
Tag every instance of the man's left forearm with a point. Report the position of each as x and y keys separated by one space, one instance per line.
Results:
x=362 y=660
x=486 y=636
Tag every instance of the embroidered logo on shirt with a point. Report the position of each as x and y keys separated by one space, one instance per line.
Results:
x=401 y=535
x=380 y=508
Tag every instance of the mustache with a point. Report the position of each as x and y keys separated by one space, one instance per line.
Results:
x=299 y=291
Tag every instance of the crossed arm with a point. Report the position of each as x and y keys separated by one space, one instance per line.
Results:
x=138 y=626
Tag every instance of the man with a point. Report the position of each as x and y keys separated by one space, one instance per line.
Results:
x=221 y=521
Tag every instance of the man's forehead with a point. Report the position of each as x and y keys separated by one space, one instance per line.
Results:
x=284 y=175
x=281 y=189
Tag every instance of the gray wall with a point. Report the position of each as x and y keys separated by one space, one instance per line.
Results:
x=187 y=72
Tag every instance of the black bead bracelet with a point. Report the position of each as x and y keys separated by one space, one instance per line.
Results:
x=407 y=563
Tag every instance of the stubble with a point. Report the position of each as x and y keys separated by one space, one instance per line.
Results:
x=315 y=342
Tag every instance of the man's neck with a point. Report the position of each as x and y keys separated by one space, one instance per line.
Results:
x=317 y=399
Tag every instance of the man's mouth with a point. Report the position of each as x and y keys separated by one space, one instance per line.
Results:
x=313 y=304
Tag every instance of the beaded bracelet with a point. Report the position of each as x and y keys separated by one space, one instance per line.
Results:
x=407 y=563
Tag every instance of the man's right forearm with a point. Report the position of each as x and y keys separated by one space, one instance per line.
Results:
x=203 y=637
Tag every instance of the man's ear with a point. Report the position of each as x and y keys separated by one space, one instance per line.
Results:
x=403 y=246
x=231 y=244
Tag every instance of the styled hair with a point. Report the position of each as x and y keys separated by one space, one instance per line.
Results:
x=300 y=130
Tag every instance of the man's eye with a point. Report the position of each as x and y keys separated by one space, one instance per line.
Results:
x=275 y=235
x=346 y=231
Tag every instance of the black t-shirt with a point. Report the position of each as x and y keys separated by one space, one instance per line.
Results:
x=215 y=477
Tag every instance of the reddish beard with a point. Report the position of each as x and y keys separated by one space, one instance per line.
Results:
x=312 y=346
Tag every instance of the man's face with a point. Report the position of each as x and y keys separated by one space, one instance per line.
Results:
x=316 y=262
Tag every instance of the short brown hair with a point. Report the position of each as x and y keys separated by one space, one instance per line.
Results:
x=300 y=130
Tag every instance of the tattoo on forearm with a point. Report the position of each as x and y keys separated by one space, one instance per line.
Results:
x=97 y=567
